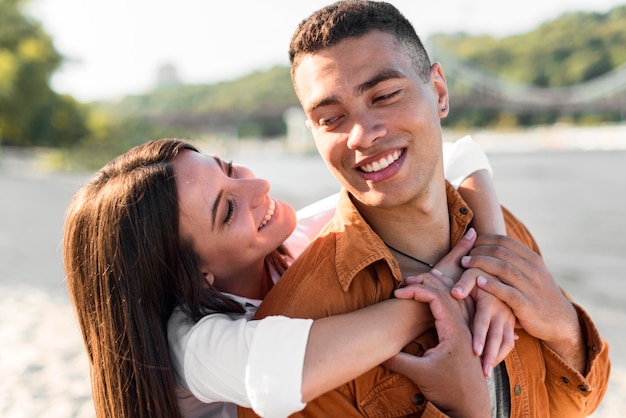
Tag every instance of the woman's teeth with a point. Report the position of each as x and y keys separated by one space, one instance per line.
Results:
x=382 y=163
x=269 y=214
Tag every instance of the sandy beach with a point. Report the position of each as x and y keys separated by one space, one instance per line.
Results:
x=566 y=185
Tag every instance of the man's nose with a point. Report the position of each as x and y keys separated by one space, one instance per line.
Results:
x=364 y=133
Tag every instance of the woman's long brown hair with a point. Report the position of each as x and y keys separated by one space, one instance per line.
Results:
x=127 y=269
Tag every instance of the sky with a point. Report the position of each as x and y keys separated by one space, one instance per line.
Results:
x=115 y=47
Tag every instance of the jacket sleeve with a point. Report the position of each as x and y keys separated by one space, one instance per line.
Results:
x=572 y=394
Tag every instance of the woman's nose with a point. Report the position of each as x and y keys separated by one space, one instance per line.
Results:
x=257 y=190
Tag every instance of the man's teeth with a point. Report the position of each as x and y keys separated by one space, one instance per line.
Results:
x=269 y=214
x=382 y=163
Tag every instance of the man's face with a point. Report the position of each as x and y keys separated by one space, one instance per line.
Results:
x=374 y=121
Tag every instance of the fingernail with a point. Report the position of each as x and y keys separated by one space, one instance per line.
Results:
x=458 y=289
x=479 y=349
x=466 y=259
x=436 y=272
x=470 y=234
x=489 y=370
x=481 y=280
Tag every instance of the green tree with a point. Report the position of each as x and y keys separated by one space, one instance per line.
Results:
x=31 y=113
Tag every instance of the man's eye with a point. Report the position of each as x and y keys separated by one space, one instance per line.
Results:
x=329 y=121
x=230 y=213
x=387 y=96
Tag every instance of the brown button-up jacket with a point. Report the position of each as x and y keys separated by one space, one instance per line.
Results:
x=349 y=267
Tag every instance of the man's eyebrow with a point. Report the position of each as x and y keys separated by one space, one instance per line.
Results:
x=378 y=78
x=360 y=89
x=326 y=101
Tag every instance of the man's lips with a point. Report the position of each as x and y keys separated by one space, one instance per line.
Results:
x=381 y=163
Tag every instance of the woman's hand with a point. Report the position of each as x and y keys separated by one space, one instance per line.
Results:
x=493 y=324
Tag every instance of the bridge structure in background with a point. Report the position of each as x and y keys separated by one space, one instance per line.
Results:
x=606 y=93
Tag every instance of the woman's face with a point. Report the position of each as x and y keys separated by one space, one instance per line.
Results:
x=229 y=216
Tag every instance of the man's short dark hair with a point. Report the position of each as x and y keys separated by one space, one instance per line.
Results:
x=351 y=18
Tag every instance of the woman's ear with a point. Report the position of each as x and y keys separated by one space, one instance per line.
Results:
x=209 y=278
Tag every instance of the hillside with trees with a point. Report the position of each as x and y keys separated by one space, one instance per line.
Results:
x=572 y=49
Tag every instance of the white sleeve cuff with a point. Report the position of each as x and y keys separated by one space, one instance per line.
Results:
x=255 y=364
x=462 y=158
x=274 y=372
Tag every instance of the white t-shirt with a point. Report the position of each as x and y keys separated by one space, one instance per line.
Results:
x=225 y=360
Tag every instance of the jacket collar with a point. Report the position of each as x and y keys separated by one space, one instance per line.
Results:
x=358 y=246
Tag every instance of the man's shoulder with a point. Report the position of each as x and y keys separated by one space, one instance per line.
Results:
x=518 y=231
x=307 y=279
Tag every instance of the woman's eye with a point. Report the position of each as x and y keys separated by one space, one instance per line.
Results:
x=230 y=213
x=229 y=169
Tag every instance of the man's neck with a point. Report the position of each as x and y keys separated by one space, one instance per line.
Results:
x=420 y=229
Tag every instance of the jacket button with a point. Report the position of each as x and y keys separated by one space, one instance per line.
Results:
x=518 y=390
x=418 y=399
x=565 y=380
x=464 y=211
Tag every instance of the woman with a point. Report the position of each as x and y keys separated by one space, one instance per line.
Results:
x=147 y=237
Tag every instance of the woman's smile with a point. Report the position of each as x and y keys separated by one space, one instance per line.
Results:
x=269 y=214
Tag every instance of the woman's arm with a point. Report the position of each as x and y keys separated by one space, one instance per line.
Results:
x=467 y=168
x=342 y=347
x=277 y=364
x=479 y=192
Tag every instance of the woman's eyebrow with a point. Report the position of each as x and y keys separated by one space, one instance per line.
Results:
x=218 y=200
x=216 y=206
x=219 y=162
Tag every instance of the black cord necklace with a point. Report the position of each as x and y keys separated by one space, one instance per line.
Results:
x=410 y=256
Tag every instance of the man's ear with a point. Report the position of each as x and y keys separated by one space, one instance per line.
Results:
x=438 y=80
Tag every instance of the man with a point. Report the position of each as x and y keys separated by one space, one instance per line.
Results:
x=373 y=102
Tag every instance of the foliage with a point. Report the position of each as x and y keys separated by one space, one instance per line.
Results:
x=254 y=103
x=569 y=50
x=30 y=112
x=573 y=49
